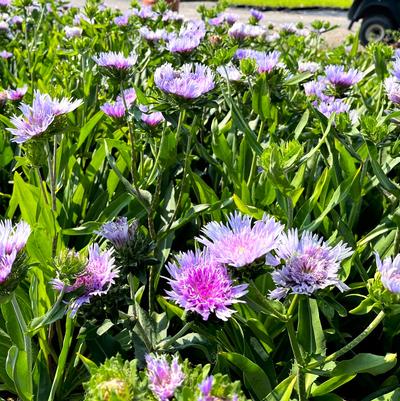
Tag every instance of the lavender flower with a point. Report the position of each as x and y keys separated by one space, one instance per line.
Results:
x=222 y=18
x=396 y=68
x=129 y=96
x=4 y=26
x=309 y=264
x=82 y=17
x=242 y=54
x=12 y=240
x=336 y=106
x=145 y=12
x=5 y=54
x=183 y=44
x=230 y=73
x=72 y=32
x=390 y=273
x=153 y=36
x=37 y=119
x=205 y=388
x=17 y=94
x=308 y=66
x=201 y=284
x=170 y=15
x=239 y=30
x=238 y=243
x=269 y=62
x=256 y=14
x=392 y=86
x=5 y=3
x=114 y=110
x=151 y=118
x=164 y=377
x=122 y=20
x=288 y=28
x=193 y=28
x=271 y=37
x=16 y=20
x=190 y=82
x=338 y=77
x=317 y=88
x=115 y=61
x=118 y=232
x=96 y=279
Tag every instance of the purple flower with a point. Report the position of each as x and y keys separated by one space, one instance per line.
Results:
x=338 y=77
x=16 y=20
x=336 y=106
x=164 y=377
x=129 y=95
x=288 y=28
x=396 y=67
x=151 y=118
x=269 y=62
x=153 y=36
x=309 y=264
x=72 y=32
x=145 y=12
x=256 y=14
x=115 y=61
x=82 y=17
x=392 y=86
x=183 y=44
x=12 y=240
x=5 y=3
x=17 y=94
x=248 y=54
x=272 y=36
x=122 y=20
x=238 y=243
x=170 y=15
x=36 y=119
x=390 y=273
x=114 y=110
x=201 y=284
x=239 y=30
x=317 y=88
x=5 y=54
x=118 y=232
x=205 y=388
x=4 y=26
x=222 y=18
x=96 y=278
x=230 y=73
x=308 y=66
x=190 y=82
x=192 y=28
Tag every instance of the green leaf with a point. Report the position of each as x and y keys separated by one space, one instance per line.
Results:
x=283 y=390
x=331 y=384
x=365 y=363
x=257 y=379
x=17 y=369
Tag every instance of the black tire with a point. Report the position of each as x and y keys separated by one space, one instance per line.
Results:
x=373 y=28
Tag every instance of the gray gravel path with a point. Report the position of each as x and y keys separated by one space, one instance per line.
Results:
x=336 y=17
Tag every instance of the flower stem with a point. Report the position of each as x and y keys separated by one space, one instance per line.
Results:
x=52 y=163
x=178 y=335
x=69 y=328
x=254 y=160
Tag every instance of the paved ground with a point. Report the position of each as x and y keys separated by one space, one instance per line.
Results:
x=188 y=9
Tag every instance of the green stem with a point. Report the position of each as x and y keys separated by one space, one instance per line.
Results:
x=25 y=28
x=254 y=160
x=181 y=332
x=52 y=162
x=69 y=328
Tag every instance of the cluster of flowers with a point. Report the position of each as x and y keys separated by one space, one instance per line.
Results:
x=164 y=379
x=201 y=281
x=392 y=84
x=325 y=89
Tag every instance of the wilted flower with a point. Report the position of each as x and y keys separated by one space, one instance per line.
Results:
x=115 y=61
x=72 y=32
x=268 y=62
x=392 y=86
x=256 y=14
x=238 y=243
x=230 y=73
x=5 y=54
x=12 y=240
x=96 y=278
x=239 y=30
x=17 y=94
x=164 y=377
x=309 y=264
x=151 y=118
x=336 y=106
x=201 y=284
x=36 y=119
x=390 y=273
x=308 y=66
x=183 y=44
x=338 y=77
x=118 y=232
x=190 y=82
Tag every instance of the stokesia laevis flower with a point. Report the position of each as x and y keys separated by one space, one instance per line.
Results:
x=242 y=54
x=230 y=73
x=309 y=264
x=336 y=106
x=122 y=20
x=392 y=87
x=183 y=44
x=239 y=30
x=222 y=18
x=396 y=68
x=16 y=94
x=338 y=77
x=72 y=32
x=98 y=275
x=114 y=110
x=390 y=273
x=170 y=15
x=153 y=36
x=256 y=14
x=151 y=118
x=308 y=66
x=190 y=82
x=145 y=12
x=12 y=240
x=238 y=243
x=201 y=284
x=164 y=377
x=268 y=62
x=5 y=55
x=38 y=118
x=318 y=88
x=115 y=61
x=118 y=232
